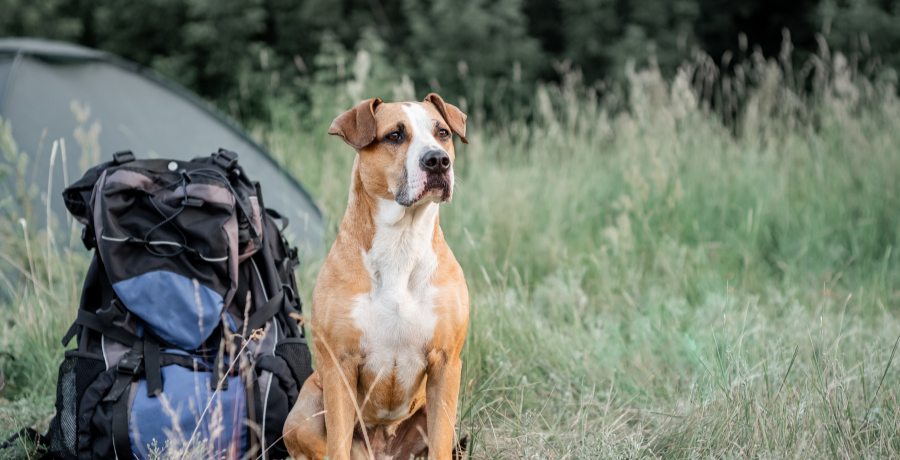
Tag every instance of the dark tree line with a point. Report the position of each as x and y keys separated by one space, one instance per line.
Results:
x=215 y=46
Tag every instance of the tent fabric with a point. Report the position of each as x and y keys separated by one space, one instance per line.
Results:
x=102 y=104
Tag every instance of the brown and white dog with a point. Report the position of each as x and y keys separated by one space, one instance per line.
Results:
x=390 y=307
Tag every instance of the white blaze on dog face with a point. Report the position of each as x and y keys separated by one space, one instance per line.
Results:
x=427 y=136
x=392 y=166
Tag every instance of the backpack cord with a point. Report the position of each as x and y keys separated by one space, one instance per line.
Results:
x=216 y=175
x=185 y=175
x=168 y=219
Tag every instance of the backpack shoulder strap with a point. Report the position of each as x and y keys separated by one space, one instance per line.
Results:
x=276 y=304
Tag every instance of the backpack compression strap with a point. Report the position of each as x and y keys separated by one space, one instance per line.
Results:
x=95 y=322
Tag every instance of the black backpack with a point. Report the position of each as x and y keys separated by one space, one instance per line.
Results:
x=187 y=329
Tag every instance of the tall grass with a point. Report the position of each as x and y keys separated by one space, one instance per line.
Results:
x=645 y=280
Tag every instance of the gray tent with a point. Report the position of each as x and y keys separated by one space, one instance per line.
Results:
x=47 y=85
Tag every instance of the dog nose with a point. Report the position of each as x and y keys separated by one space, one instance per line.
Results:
x=436 y=161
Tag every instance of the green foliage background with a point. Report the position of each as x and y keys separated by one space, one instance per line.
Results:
x=230 y=51
x=680 y=242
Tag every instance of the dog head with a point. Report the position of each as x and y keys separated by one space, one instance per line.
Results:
x=405 y=149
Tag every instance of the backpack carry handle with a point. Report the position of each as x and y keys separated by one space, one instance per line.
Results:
x=125 y=156
x=225 y=159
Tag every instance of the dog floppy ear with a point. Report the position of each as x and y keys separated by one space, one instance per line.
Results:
x=452 y=115
x=357 y=125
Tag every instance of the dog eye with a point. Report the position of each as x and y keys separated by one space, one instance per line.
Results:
x=443 y=133
x=393 y=137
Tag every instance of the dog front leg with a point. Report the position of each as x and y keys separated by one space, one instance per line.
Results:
x=441 y=394
x=339 y=388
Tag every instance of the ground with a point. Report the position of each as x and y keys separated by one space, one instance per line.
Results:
x=643 y=283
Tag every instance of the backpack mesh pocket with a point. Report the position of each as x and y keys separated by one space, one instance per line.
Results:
x=76 y=373
x=295 y=353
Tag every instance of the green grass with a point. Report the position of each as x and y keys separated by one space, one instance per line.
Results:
x=643 y=284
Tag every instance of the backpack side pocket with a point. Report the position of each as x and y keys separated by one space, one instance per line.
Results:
x=76 y=373
x=279 y=395
x=295 y=354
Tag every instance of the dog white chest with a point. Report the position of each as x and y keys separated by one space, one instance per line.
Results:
x=397 y=316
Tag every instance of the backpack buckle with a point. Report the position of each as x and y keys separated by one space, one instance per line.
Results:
x=129 y=364
x=295 y=258
x=225 y=159
x=109 y=314
x=289 y=292
x=88 y=239
x=192 y=202
x=126 y=370
x=125 y=156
